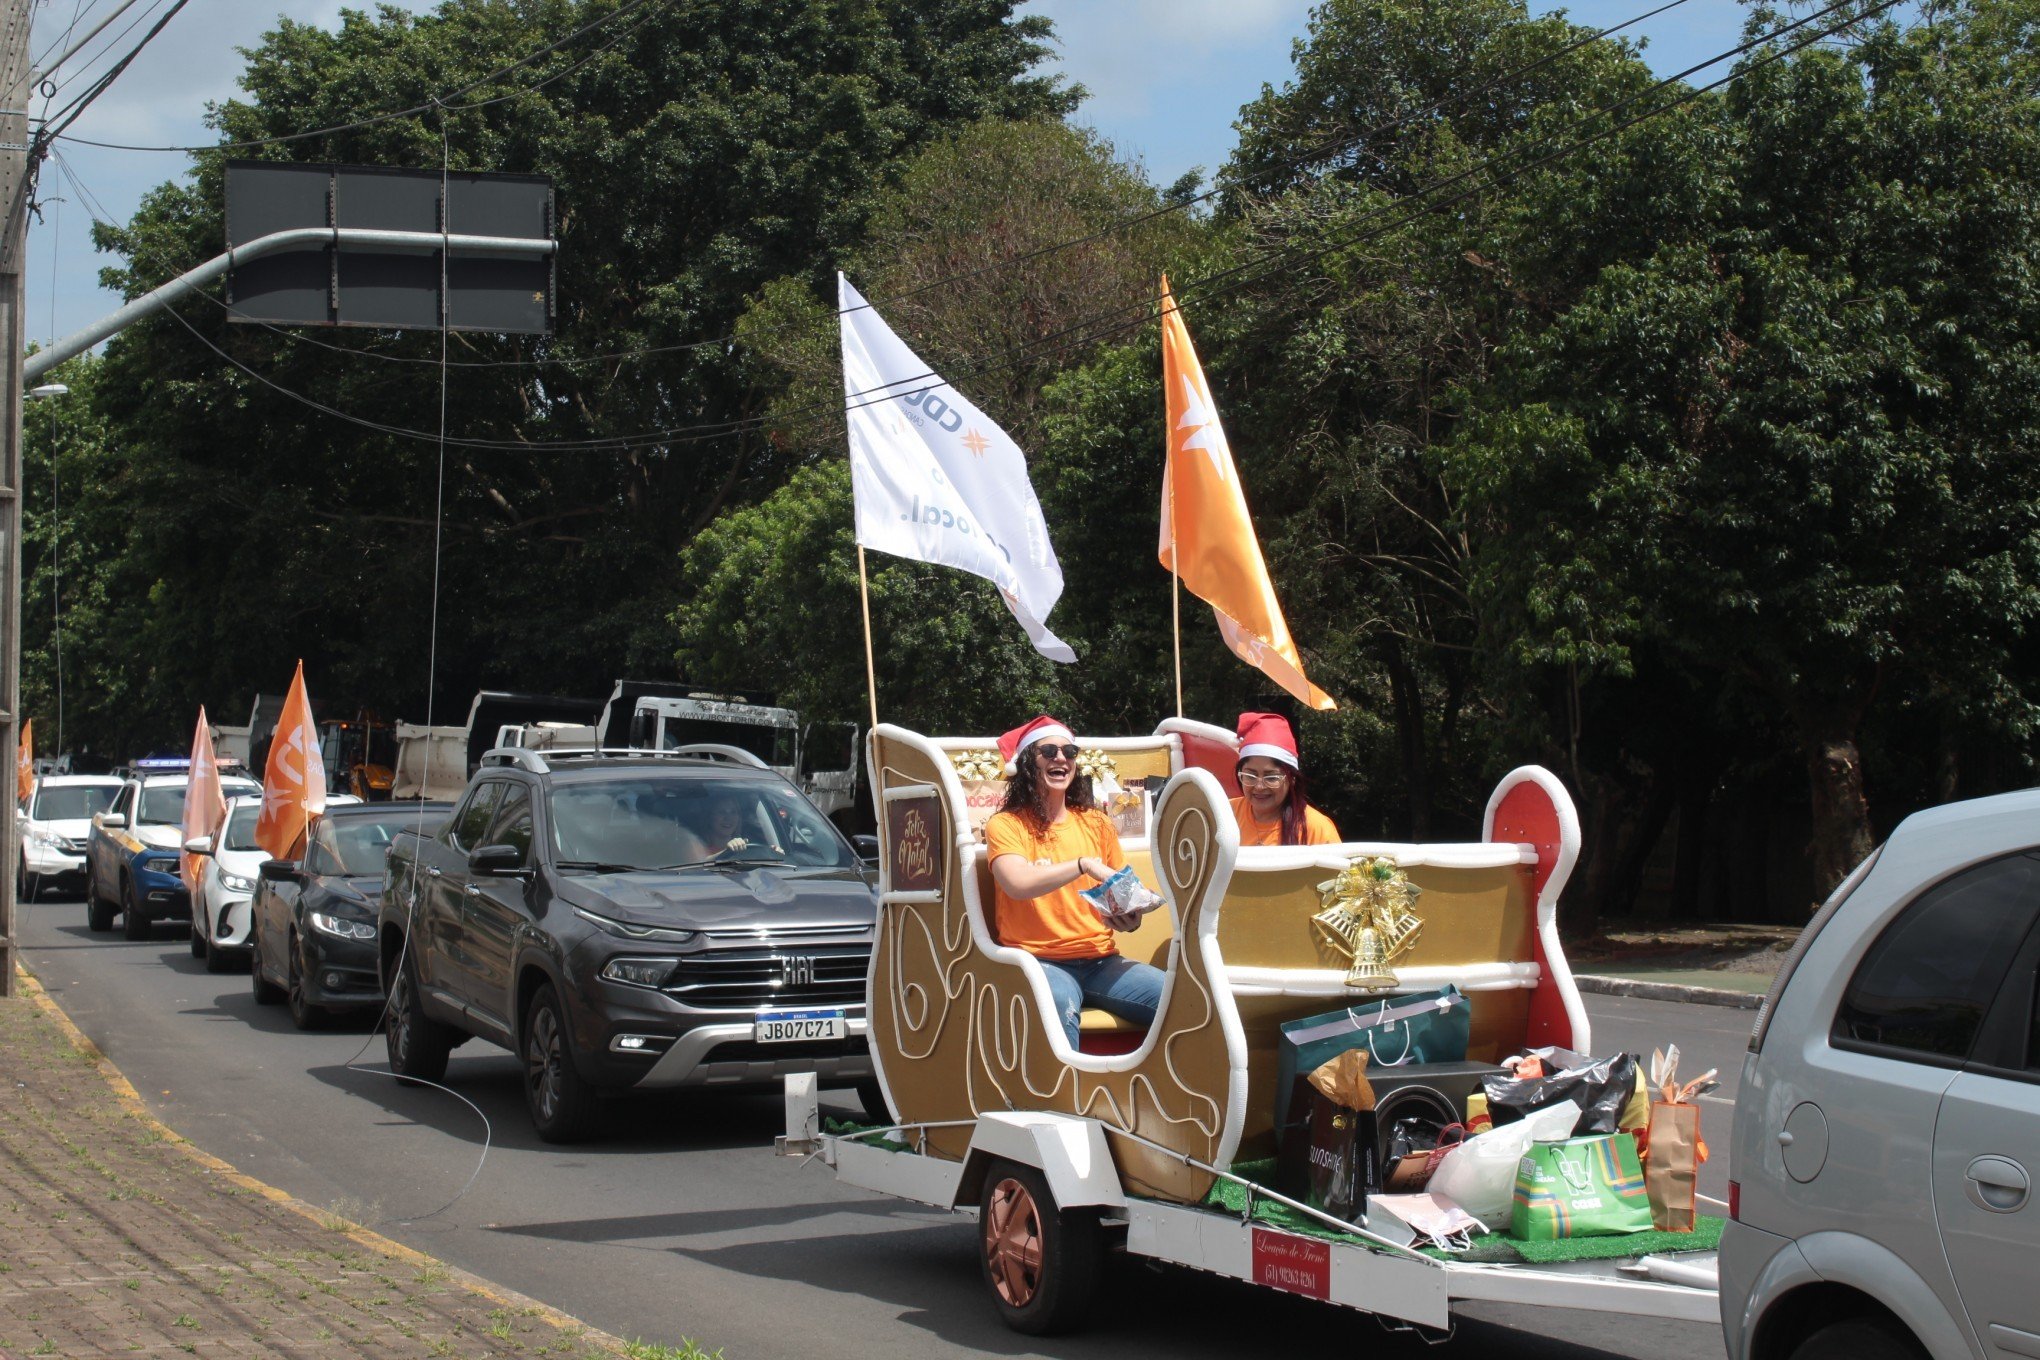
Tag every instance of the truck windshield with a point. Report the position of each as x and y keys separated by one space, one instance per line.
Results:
x=164 y=805
x=75 y=802
x=666 y=819
x=773 y=745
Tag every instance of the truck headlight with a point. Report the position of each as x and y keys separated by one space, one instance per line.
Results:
x=341 y=926
x=639 y=972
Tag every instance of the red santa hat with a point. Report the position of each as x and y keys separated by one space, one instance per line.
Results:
x=1268 y=734
x=1020 y=738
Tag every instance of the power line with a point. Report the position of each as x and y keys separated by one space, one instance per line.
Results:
x=71 y=112
x=1126 y=317
x=1125 y=224
x=436 y=102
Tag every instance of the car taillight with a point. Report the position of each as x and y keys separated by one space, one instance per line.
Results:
x=1734 y=1202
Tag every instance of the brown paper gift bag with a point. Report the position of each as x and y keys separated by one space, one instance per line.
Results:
x=1674 y=1161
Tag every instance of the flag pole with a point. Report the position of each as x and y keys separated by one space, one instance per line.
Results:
x=870 y=667
x=1175 y=598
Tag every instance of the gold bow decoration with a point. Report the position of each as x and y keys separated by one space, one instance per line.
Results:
x=1098 y=766
x=973 y=766
x=1369 y=918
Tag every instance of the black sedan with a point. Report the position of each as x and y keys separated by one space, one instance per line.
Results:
x=313 y=921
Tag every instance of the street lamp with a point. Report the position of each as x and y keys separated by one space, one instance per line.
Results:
x=48 y=390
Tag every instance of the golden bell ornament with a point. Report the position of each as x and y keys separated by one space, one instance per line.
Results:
x=1370 y=971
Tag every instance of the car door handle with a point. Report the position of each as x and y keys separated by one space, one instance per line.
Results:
x=1997 y=1184
x=432 y=873
x=471 y=890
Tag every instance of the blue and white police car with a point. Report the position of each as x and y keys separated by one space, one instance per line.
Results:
x=133 y=854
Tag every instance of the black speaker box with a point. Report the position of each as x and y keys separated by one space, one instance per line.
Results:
x=1433 y=1091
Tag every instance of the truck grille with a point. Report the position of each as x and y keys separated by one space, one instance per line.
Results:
x=772 y=979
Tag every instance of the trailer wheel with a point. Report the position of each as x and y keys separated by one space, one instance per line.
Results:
x=1042 y=1263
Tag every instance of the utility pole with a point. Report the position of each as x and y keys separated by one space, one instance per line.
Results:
x=15 y=83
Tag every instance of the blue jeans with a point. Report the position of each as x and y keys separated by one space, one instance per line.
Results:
x=1122 y=986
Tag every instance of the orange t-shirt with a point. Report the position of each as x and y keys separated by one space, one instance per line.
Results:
x=1317 y=828
x=1058 y=924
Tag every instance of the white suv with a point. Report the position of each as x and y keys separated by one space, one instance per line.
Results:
x=1887 y=1130
x=55 y=821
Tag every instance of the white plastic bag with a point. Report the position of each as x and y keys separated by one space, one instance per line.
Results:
x=1480 y=1174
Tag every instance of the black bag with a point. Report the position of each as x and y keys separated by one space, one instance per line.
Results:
x=1601 y=1087
x=1337 y=1164
x=1410 y=1151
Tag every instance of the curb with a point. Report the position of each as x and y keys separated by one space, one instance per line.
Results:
x=1669 y=991
x=131 y=1101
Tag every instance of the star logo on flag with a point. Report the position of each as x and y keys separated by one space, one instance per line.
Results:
x=1205 y=434
x=976 y=443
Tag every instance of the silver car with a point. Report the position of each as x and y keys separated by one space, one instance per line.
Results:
x=1887 y=1130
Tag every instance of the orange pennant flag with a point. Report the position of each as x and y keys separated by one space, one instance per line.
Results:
x=1207 y=537
x=24 y=763
x=205 y=807
x=294 y=780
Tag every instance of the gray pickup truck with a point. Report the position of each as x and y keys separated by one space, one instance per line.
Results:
x=635 y=921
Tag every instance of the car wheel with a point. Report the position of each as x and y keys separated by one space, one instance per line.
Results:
x=134 y=922
x=24 y=885
x=267 y=993
x=417 y=1044
x=217 y=960
x=562 y=1102
x=1042 y=1264
x=1860 y=1338
x=198 y=933
x=304 y=1012
x=99 y=912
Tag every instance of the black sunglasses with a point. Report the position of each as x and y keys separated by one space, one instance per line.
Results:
x=1066 y=752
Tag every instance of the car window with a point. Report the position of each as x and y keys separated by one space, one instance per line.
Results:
x=240 y=832
x=1926 y=982
x=123 y=799
x=659 y=819
x=513 y=823
x=359 y=845
x=162 y=805
x=319 y=856
x=71 y=802
x=474 y=815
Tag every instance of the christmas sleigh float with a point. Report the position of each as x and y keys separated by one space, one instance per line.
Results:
x=1132 y=1140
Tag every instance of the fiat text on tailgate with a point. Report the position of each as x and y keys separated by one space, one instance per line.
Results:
x=628 y=922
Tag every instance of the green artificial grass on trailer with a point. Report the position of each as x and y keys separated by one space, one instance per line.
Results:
x=1231 y=1197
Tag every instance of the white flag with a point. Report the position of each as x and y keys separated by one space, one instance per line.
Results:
x=935 y=480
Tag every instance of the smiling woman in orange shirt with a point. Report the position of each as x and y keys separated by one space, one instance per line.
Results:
x=1272 y=809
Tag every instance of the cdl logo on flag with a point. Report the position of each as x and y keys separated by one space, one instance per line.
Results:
x=936 y=409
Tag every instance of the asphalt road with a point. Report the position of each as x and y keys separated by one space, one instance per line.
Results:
x=681 y=1222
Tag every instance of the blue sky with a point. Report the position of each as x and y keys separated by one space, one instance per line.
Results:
x=1167 y=79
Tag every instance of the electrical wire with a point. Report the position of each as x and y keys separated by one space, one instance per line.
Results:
x=74 y=110
x=446 y=100
x=1125 y=224
x=1129 y=316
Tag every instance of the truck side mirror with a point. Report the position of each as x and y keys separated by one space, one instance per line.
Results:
x=113 y=821
x=866 y=848
x=496 y=861
x=280 y=871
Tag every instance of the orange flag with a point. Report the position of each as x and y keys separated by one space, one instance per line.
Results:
x=24 y=763
x=1207 y=537
x=294 y=780
x=205 y=807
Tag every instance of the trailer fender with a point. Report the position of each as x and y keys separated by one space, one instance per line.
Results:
x=1070 y=1152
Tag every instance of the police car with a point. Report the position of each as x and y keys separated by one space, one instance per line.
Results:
x=132 y=856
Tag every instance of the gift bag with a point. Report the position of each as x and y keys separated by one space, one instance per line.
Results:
x=1332 y=1161
x=1601 y=1087
x=1427 y=1027
x=1413 y=1150
x=1582 y=1187
x=1676 y=1148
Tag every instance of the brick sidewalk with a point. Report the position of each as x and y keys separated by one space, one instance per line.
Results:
x=119 y=1239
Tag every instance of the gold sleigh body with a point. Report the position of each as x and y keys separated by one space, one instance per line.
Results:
x=961 y=1025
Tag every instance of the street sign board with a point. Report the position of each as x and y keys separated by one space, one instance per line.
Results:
x=321 y=284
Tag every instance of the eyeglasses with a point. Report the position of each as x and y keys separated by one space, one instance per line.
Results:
x=1066 y=752
x=1264 y=781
